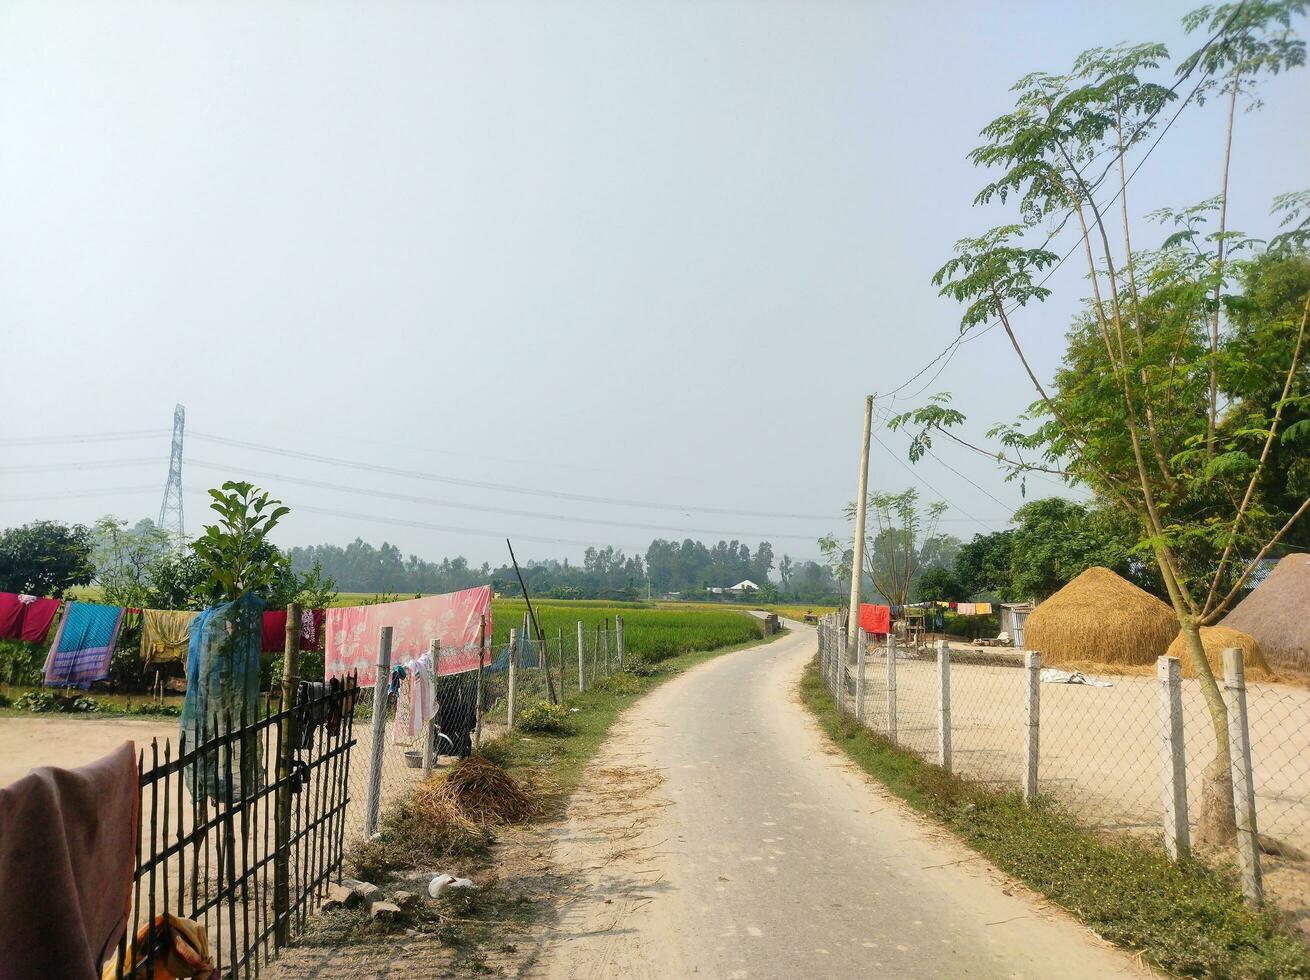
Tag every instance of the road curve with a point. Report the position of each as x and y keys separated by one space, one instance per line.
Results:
x=719 y=835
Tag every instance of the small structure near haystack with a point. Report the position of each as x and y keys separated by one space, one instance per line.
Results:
x=1102 y=620
x=1277 y=614
x=1215 y=640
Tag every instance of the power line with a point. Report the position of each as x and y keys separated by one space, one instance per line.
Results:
x=88 y=464
x=85 y=437
x=501 y=487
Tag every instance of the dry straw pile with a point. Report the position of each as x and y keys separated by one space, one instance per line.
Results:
x=1100 y=621
x=476 y=792
x=1277 y=614
x=1217 y=639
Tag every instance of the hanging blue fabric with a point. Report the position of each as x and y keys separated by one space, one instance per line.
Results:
x=222 y=695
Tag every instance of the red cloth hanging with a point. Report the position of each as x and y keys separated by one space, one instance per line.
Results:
x=274 y=639
x=38 y=614
x=875 y=619
x=11 y=615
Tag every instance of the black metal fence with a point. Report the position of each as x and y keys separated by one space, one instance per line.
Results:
x=240 y=831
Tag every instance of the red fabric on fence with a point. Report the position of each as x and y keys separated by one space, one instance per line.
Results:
x=38 y=614
x=455 y=619
x=67 y=856
x=11 y=615
x=274 y=639
x=875 y=619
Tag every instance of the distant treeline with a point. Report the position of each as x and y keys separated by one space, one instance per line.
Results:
x=688 y=568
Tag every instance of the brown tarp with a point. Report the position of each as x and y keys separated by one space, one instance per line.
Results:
x=67 y=855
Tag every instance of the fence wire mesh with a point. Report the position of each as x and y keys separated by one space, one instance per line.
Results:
x=1100 y=747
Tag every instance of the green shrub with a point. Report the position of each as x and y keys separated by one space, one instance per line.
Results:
x=5 y=701
x=545 y=718
x=623 y=683
x=641 y=667
x=40 y=702
x=165 y=708
x=20 y=663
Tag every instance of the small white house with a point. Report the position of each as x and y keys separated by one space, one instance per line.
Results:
x=1013 y=617
x=744 y=587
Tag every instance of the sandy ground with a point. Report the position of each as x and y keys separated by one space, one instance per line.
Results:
x=69 y=742
x=718 y=834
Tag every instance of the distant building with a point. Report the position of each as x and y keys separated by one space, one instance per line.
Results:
x=744 y=587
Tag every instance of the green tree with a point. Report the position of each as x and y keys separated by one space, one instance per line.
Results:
x=1134 y=412
x=236 y=553
x=904 y=540
x=939 y=584
x=1057 y=539
x=45 y=558
x=983 y=565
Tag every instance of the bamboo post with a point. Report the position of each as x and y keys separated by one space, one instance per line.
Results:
x=430 y=729
x=891 y=688
x=373 y=801
x=943 y=705
x=1173 y=768
x=582 y=669
x=1239 y=737
x=285 y=763
x=1032 y=665
x=861 y=649
x=513 y=656
x=482 y=659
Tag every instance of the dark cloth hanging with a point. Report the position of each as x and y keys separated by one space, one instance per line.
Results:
x=457 y=713
x=67 y=855
x=26 y=617
x=274 y=636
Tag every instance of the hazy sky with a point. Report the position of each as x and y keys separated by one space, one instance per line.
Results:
x=636 y=251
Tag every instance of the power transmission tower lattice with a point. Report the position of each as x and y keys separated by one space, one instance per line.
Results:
x=170 y=511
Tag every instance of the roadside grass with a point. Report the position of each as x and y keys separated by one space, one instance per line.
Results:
x=1185 y=918
x=479 y=926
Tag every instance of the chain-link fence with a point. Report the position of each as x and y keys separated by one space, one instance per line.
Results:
x=477 y=706
x=1101 y=749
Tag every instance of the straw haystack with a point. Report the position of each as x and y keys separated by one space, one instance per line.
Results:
x=1100 y=619
x=1217 y=639
x=1277 y=614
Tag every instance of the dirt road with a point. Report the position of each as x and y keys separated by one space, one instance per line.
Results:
x=718 y=835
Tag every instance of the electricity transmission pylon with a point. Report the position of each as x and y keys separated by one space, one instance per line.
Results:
x=170 y=511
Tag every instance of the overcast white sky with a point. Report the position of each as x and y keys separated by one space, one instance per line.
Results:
x=640 y=251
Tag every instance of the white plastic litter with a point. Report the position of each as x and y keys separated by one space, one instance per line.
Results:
x=443 y=881
x=1052 y=676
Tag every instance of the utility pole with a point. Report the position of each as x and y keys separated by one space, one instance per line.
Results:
x=857 y=560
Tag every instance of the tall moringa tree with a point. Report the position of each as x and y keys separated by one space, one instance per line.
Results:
x=1135 y=411
x=903 y=538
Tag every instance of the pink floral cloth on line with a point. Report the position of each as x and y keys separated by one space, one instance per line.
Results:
x=455 y=619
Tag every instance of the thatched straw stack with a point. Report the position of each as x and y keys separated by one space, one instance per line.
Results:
x=1277 y=614
x=1100 y=620
x=476 y=792
x=1217 y=639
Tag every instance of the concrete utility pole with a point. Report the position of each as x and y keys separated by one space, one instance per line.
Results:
x=857 y=561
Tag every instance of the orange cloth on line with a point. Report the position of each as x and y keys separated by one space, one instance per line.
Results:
x=181 y=950
x=875 y=619
x=982 y=609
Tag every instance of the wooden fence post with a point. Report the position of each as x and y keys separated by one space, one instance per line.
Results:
x=373 y=801
x=287 y=738
x=1173 y=768
x=582 y=667
x=1032 y=666
x=1239 y=739
x=891 y=688
x=944 y=705
x=861 y=649
x=430 y=729
x=618 y=639
x=513 y=656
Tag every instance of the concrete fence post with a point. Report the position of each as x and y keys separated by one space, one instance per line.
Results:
x=582 y=667
x=430 y=729
x=861 y=651
x=891 y=688
x=944 y=705
x=842 y=665
x=1239 y=740
x=513 y=656
x=1032 y=667
x=373 y=800
x=618 y=639
x=1173 y=767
